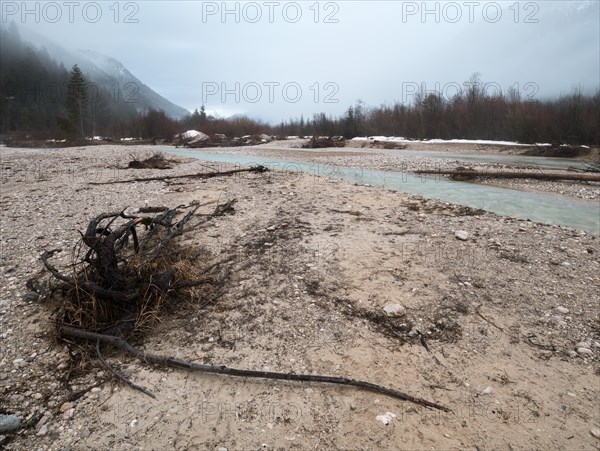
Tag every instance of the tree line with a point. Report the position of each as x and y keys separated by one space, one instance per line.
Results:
x=573 y=118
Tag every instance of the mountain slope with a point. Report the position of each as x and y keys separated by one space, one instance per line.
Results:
x=139 y=93
x=109 y=74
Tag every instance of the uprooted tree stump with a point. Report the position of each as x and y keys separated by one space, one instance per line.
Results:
x=124 y=278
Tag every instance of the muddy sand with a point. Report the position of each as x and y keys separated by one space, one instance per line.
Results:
x=509 y=316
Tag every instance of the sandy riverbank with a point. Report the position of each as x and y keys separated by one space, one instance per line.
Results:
x=502 y=312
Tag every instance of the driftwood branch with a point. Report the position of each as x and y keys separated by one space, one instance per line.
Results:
x=201 y=175
x=465 y=174
x=120 y=376
x=118 y=342
x=487 y=320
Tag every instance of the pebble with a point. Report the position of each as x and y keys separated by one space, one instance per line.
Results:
x=386 y=418
x=394 y=310
x=583 y=344
x=562 y=310
x=488 y=391
x=43 y=430
x=9 y=423
x=595 y=433
x=66 y=406
x=584 y=351
x=19 y=363
x=461 y=235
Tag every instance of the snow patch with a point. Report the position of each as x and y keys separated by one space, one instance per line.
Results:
x=443 y=141
x=190 y=134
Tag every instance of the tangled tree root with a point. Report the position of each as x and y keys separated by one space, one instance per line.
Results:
x=123 y=278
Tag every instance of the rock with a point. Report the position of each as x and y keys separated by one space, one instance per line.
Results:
x=47 y=417
x=562 y=310
x=86 y=433
x=461 y=235
x=222 y=448
x=488 y=391
x=66 y=406
x=595 y=433
x=9 y=424
x=19 y=363
x=583 y=344
x=43 y=430
x=394 y=310
x=386 y=418
x=584 y=351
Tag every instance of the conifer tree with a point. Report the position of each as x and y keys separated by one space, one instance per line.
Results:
x=77 y=100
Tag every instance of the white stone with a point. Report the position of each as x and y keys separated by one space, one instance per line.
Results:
x=488 y=391
x=394 y=310
x=584 y=351
x=461 y=235
x=595 y=432
x=386 y=418
x=562 y=310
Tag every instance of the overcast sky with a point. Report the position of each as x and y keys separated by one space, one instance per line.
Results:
x=301 y=58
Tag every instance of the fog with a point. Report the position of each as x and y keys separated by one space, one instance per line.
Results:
x=276 y=60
